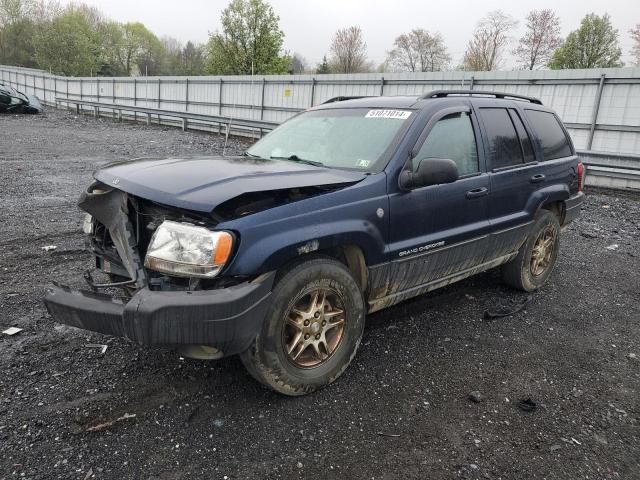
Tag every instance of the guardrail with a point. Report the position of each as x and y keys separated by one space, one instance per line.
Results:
x=604 y=169
x=119 y=112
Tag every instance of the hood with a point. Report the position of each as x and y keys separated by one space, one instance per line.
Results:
x=201 y=184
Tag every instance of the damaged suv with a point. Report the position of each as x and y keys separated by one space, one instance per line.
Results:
x=347 y=208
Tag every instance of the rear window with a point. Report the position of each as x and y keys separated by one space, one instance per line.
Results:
x=504 y=144
x=547 y=128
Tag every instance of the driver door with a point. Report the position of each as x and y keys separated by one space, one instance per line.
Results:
x=441 y=230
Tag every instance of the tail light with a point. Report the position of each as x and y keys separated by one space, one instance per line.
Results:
x=580 y=170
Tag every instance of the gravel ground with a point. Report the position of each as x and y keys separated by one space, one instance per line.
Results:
x=402 y=410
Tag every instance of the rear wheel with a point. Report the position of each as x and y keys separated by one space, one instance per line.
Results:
x=533 y=265
x=312 y=330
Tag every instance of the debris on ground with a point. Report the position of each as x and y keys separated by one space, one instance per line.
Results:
x=12 y=331
x=48 y=248
x=102 y=426
x=490 y=315
x=612 y=247
x=476 y=396
x=103 y=348
x=527 y=405
x=383 y=434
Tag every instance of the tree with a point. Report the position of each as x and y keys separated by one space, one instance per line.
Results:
x=172 y=56
x=250 y=41
x=348 y=51
x=193 y=59
x=17 y=30
x=635 y=49
x=298 y=64
x=69 y=44
x=491 y=36
x=323 y=67
x=541 y=39
x=593 y=45
x=419 y=51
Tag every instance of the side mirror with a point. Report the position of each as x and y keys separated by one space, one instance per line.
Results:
x=431 y=171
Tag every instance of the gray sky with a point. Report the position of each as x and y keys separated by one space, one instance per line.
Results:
x=309 y=24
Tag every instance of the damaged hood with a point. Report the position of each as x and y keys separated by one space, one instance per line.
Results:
x=202 y=183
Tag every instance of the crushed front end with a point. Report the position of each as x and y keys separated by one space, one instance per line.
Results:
x=151 y=306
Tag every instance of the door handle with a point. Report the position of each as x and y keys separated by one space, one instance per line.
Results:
x=477 y=192
x=537 y=178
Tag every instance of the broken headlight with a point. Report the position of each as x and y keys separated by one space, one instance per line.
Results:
x=186 y=250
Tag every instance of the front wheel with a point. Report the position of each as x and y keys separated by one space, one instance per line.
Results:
x=533 y=265
x=312 y=329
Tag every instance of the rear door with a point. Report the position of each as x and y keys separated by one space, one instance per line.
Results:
x=514 y=176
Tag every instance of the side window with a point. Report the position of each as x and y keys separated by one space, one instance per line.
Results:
x=452 y=137
x=504 y=144
x=525 y=141
x=553 y=141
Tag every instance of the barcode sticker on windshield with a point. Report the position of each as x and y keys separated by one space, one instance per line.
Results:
x=399 y=114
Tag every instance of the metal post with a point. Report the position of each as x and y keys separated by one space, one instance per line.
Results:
x=313 y=91
x=471 y=84
x=97 y=89
x=159 y=84
x=67 y=88
x=264 y=84
x=220 y=98
x=596 y=109
x=186 y=96
x=113 y=95
x=220 y=107
x=382 y=86
x=135 y=99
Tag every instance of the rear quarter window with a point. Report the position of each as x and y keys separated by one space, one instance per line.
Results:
x=547 y=128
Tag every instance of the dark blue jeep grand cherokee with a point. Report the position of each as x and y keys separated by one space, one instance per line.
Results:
x=347 y=208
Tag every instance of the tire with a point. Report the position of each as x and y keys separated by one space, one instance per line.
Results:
x=270 y=359
x=522 y=272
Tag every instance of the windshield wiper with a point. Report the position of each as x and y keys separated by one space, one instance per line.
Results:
x=247 y=154
x=296 y=158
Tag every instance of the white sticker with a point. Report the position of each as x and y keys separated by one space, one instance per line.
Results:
x=363 y=163
x=399 y=114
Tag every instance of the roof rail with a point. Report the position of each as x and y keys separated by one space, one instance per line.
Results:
x=342 y=99
x=446 y=93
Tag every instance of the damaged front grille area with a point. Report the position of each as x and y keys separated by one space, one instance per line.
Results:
x=122 y=228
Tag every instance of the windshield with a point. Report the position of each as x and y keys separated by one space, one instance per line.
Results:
x=342 y=138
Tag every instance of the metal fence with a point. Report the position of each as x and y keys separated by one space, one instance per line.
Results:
x=600 y=107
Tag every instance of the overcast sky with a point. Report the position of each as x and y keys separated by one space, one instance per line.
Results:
x=309 y=24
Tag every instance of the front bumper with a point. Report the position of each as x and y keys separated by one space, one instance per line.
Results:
x=572 y=207
x=227 y=319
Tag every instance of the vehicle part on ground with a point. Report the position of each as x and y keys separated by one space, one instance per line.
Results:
x=533 y=265
x=278 y=359
x=13 y=101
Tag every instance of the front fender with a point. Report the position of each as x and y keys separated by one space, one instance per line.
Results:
x=356 y=215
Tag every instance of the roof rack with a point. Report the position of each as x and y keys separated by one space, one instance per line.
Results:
x=446 y=93
x=342 y=99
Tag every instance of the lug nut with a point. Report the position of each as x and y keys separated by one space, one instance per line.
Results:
x=318 y=337
x=317 y=314
x=306 y=337
x=324 y=322
x=306 y=323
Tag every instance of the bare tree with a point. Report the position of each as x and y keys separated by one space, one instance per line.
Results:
x=348 y=51
x=635 y=50
x=485 y=49
x=419 y=51
x=298 y=64
x=541 y=38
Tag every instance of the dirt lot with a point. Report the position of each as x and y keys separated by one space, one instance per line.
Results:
x=402 y=410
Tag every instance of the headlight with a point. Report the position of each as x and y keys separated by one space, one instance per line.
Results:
x=185 y=250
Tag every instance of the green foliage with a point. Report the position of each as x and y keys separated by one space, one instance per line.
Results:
x=250 y=41
x=323 y=67
x=593 y=45
x=69 y=44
